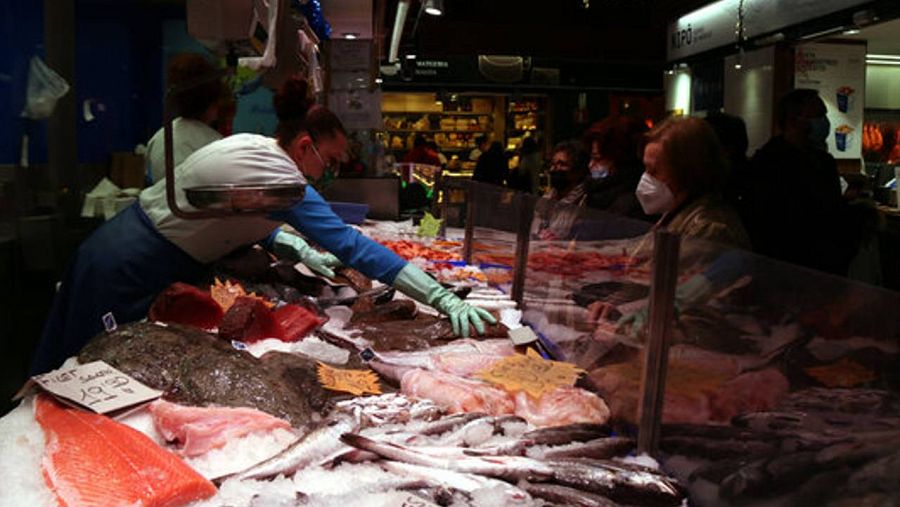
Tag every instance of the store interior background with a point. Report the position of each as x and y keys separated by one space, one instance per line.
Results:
x=585 y=63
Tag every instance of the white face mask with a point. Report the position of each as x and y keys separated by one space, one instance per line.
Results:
x=654 y=195
x=599 y=170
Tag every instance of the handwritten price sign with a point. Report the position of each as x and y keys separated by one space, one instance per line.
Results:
x=530 y=373
x=96 y=386
x=355 y=382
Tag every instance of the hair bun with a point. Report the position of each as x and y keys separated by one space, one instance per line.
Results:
x=292 y=99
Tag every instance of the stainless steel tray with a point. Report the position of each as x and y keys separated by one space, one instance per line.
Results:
x=245 y=198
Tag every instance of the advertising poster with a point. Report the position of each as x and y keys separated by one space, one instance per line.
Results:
x=838 y=72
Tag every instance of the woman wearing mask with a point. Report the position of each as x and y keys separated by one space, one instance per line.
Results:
x=615 y=165
x=568 y=173
x=684 y=169
x=130 y=259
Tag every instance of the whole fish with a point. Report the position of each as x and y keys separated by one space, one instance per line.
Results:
x=631 y=484
x=468 y=483
x=562 y=495
x=511 y=468
x=391 y=408
x=559 y=435
x=445 y=424
x=601 y=448
x=315 y=447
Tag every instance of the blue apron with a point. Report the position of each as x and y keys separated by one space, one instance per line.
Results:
x=119 y=269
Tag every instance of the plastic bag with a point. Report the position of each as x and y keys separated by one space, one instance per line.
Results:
x=45 y=87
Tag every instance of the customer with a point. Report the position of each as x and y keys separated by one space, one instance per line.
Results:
x=197 y=111
x=422 y=153
x=492 y=166
x=615 y=165
x=568 y=173
x=732 y=134
x=795 y=211
x=530 y=166
x=684 y=169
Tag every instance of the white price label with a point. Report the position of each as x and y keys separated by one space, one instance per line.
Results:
x=522 y=335
x=96 y=386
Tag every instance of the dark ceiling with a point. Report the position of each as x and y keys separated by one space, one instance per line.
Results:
x=604 y=31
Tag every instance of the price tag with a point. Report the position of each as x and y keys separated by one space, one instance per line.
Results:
x=96 y=386
x=355 y=382
x=522 y=335
x=530 y=373
x=429 y=226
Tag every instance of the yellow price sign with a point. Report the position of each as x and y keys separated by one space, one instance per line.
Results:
x=429 y=226
x=355 y=382
x=531 y=373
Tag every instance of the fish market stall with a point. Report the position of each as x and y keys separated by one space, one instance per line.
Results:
x=281 y=388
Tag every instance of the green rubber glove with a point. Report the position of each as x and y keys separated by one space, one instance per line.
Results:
x=293 y=247
x=416 y=284
x=691 y=293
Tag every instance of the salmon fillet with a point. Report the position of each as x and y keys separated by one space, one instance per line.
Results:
x=92 y=460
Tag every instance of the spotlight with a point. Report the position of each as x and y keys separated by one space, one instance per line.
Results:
x=434 y=7
x=350 y=35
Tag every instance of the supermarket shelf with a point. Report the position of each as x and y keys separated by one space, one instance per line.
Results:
x=426 y=131
x=444 y=113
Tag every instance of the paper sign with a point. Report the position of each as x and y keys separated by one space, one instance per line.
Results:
x=355 y=382
x=522 y=335
x=531 y=373
x=429 y=226
x=96 y=386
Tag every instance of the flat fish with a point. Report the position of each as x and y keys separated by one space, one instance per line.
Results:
x=194 y=368
x=92 y=460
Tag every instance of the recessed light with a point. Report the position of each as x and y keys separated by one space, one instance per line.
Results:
x=351 y=35
x=378 y=80
x=434 y=7
x=851 y=31
x=410 y=57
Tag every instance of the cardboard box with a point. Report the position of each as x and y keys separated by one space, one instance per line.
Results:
x=127 y=170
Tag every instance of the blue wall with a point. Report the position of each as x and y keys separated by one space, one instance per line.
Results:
x=21 y=30
x=121 y=50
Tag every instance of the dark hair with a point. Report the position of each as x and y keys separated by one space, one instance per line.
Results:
x=297 y=114
x=529 y=146
x=618 y=138
x=419 y=140
x=195 y=101
x=496 y=147
x=793 y=102
x=731 y=131
x=691 y=151
x=578 y=156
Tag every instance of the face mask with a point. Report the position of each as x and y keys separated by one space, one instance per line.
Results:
x=599 y=170
x=559 y=180
x=654 y=195
x=819 y=128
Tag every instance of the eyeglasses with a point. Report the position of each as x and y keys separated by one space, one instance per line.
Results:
x=325 y=165
x=560 y=164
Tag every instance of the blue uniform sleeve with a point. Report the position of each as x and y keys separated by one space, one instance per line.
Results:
x=313 y=217
x=728 y=267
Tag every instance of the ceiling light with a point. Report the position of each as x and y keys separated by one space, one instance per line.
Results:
x=378 y=80
x=883 y=62
x=851 y=31
x=737 y=66
x=350 y=35
x=410 y=57
x=434 y=7
x=882 y=57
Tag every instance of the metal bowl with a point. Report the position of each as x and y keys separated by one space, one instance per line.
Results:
x=245 y=198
